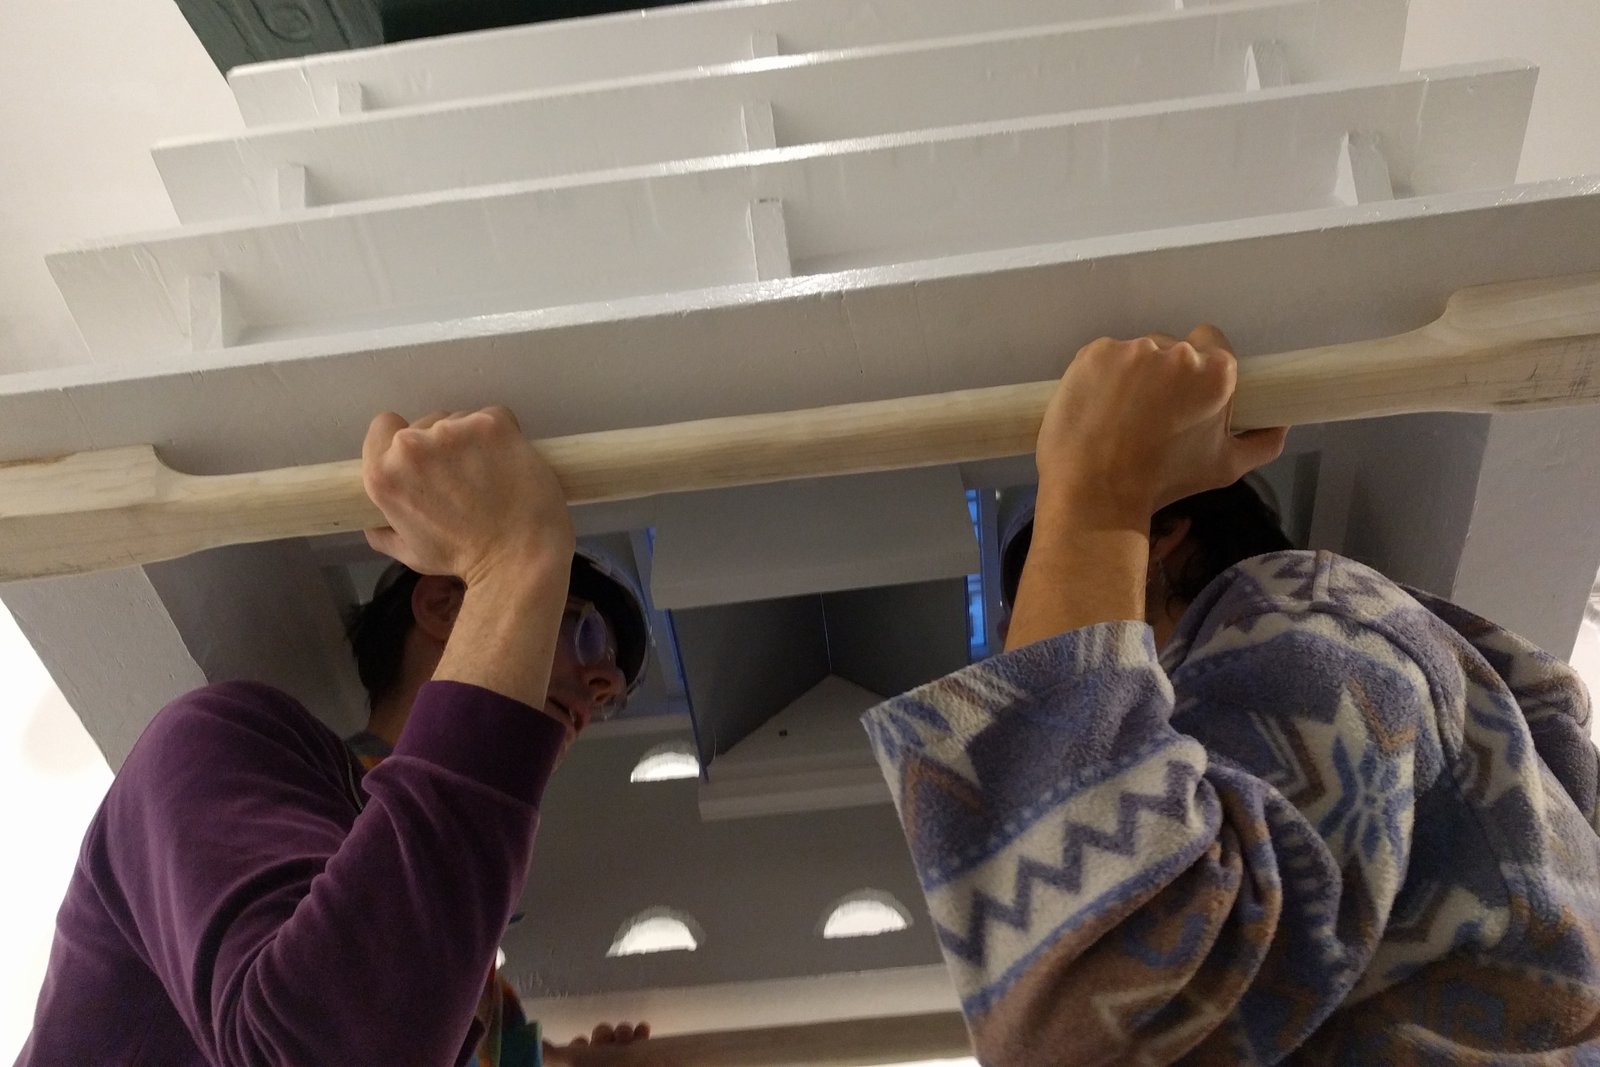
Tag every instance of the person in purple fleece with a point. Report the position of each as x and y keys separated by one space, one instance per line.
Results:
x=1215 y=807
x=247 y=897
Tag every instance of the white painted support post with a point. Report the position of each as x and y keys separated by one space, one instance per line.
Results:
x=769 y=241
x=1363 y=172
x=1266 y=66
x=214 y=321
x=760 y=129
x=289 y=188
x=349 y=98
x=763 y=45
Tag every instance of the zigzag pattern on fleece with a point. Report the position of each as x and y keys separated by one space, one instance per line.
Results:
x=994 y=920
x=1339 y=800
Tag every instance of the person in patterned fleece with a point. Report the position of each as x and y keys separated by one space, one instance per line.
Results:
x=1216 y=810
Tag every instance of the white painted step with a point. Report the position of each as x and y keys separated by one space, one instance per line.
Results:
x=791 y=212
x=775 y=104
x=574 y=51
x=991 y=318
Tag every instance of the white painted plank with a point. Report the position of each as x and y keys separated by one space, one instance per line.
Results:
x=984 y=319
x=856 y=204
x=987 y=319
x=801 y=100
x=576 y=51
x=771 y=541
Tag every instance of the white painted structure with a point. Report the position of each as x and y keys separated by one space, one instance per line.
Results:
x=708 y=210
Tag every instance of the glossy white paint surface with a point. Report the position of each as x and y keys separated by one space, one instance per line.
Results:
x=805 y=99
x=869 y=203
x=690 y=36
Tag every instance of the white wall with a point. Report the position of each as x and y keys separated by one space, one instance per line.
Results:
x=87 y=86
x=1562 y=36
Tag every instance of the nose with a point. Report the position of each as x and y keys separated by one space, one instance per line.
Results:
x=603 y=684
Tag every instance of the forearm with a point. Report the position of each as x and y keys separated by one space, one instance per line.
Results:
x=505 y=634
x=1087 y=565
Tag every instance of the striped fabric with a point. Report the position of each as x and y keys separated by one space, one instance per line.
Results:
x=1336 y=822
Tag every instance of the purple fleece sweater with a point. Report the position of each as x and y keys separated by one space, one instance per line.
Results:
x=245 y=897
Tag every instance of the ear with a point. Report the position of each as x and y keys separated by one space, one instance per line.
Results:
x=434 y=604
x=1163 y=543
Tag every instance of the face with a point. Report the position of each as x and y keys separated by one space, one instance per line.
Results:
x=586 y=685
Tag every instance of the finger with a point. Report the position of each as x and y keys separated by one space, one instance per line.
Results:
x=1208 y=337
x=579 y=1042
x=385 y=540
x=604 y=1035
x=501 y=412
x=624 y=1033
x=641 y=1031
x=430 y=419
x=380 y=432
x=1257 y=448
x=1165 y=340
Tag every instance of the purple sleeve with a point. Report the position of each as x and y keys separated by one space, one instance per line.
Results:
x=289 y=929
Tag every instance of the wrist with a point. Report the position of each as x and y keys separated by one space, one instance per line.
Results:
x=529 y=567
x=1088 y=504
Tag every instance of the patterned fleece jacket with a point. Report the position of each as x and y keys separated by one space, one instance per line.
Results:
x=1336 y=822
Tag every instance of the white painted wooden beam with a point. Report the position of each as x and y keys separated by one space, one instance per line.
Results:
x=121 y=644
x=1531 y=549
x=824 y=97
x=988 y=318
x=771 y=541
x=576 y=51
x=866 y=203
x=111 y=646
x=984 y=319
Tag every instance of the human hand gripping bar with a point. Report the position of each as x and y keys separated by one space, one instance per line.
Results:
x=1510 y=347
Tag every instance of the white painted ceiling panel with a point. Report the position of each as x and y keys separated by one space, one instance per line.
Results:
x=770 y=541
x=579 y=51
x=866 y=203
x=792 y=101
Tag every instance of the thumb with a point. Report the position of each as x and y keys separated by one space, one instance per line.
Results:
x=1257 y=448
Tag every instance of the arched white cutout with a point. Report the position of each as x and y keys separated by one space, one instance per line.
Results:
x=656 y=930
x=666 y=763
x=865 y=913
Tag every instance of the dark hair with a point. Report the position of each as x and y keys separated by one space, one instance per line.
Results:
x=1226 y=526
x=377 y=632
x=377 y=629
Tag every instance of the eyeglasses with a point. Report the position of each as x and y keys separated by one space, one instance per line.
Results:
x=593 y=645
